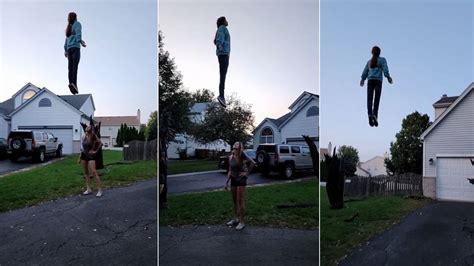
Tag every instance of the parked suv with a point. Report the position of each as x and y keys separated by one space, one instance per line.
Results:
x=283 y=158
x=36 y=144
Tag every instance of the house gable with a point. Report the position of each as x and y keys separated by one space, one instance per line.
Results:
x=27 y=89
x=452 y=133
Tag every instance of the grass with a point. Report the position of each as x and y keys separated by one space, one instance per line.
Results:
x=375 y=215
x=180 y=167
x=65 y=177
x=216 y=207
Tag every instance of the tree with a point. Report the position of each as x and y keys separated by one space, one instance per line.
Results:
x=314 y=153
x=152 y=126
x=141 y=133
x=202 y=96
x=349 y=159
x=174 y=103
x=232 y=124
x=406 y=153
x=335 y=180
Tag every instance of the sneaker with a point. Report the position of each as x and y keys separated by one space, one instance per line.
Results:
x=72 y=89
x=75 y=88
x=376 y=123
x=233 y=222
x=222 y=101
x=240 y=226
x=371 y=121
x=99 y=194
x=87 y=192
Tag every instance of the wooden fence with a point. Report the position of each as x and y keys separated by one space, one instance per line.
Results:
x=406 y=184
x=140 y=150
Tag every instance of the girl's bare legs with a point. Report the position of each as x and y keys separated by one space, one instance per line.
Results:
x=241 y=203
x=234 y=199
x=94 y=173
x=85 y=166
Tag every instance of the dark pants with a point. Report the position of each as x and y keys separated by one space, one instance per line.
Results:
x=374 y=90
x=73 y=57
x=223 y=65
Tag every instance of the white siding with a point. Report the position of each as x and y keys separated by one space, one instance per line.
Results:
x=3 y=128
x=375 y=166
x=276 y=134
x=19 y=97
x=454 y=135
x=191 y=145
x=301 y=124
x=87 y=108
x=59 y=114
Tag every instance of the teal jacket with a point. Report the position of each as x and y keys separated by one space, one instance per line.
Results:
x=75 y=39
x=376 y=72
x=222 y=41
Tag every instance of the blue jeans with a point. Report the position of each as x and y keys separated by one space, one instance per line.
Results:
x=73 y=57
x=374 y=90
x=223 y=65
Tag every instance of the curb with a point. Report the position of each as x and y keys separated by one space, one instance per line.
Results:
x=33 y=167
x=248 y=186
x=197 y=173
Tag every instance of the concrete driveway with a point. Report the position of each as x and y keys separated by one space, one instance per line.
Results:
x=441 y=233
x=198 y=182
x=6 y=166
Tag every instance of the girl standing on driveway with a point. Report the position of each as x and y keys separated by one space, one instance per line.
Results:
x=72 y=49
x=373 y=71
x=222 y=42
x=238 y=180
x=89 y=147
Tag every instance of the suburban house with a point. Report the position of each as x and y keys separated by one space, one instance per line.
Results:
x=303 y=119
x=110 y=126
x=185 y=142
x=372 y=167
x=448 y=148
x=32 y=108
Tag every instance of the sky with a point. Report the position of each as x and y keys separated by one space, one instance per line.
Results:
x=429 y=49
x=274 y=49
x=118 y=66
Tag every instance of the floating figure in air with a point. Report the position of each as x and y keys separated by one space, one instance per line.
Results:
x=72 y=49
x=222 y=42
x=374 y=71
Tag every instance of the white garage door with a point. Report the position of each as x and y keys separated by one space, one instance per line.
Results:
x=65 y=136
x=451 y=182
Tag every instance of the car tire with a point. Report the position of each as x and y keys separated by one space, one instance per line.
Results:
x=17 y=144
x=59 y=152
x=40 y=157
x=263 y=160
x=288 y=171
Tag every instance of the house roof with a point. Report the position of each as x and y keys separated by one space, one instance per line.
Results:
x=76 y=100
x=7 y=106
x=448 y=111
x=118 y=120
x=280 y=120
x=23 y=88
x=445 y=101
x=303 y=95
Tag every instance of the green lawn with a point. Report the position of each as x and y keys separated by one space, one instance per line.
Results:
x=216 y=207
x=180 y=167
x=376 y=214
x=63 y=178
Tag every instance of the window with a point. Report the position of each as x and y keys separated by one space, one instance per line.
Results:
x=45 y=136
x=295 y=149
x=27 y=95
x=38 y=136
x=284 y=149
x=45 y=102
x=266 y=136
x=306 y=151
x=312 y=111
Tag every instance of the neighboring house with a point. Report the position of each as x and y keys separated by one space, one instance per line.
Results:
x=322 y=153
x=186 y=142
x=32 y=108
x=303 y=119
x=110 y=126
x=448 y=147
x=372 y=167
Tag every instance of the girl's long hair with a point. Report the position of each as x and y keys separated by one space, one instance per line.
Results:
x=375 y=57
x=93 y=137
x=71 y=18
x=220 y=21
x=238 y=155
